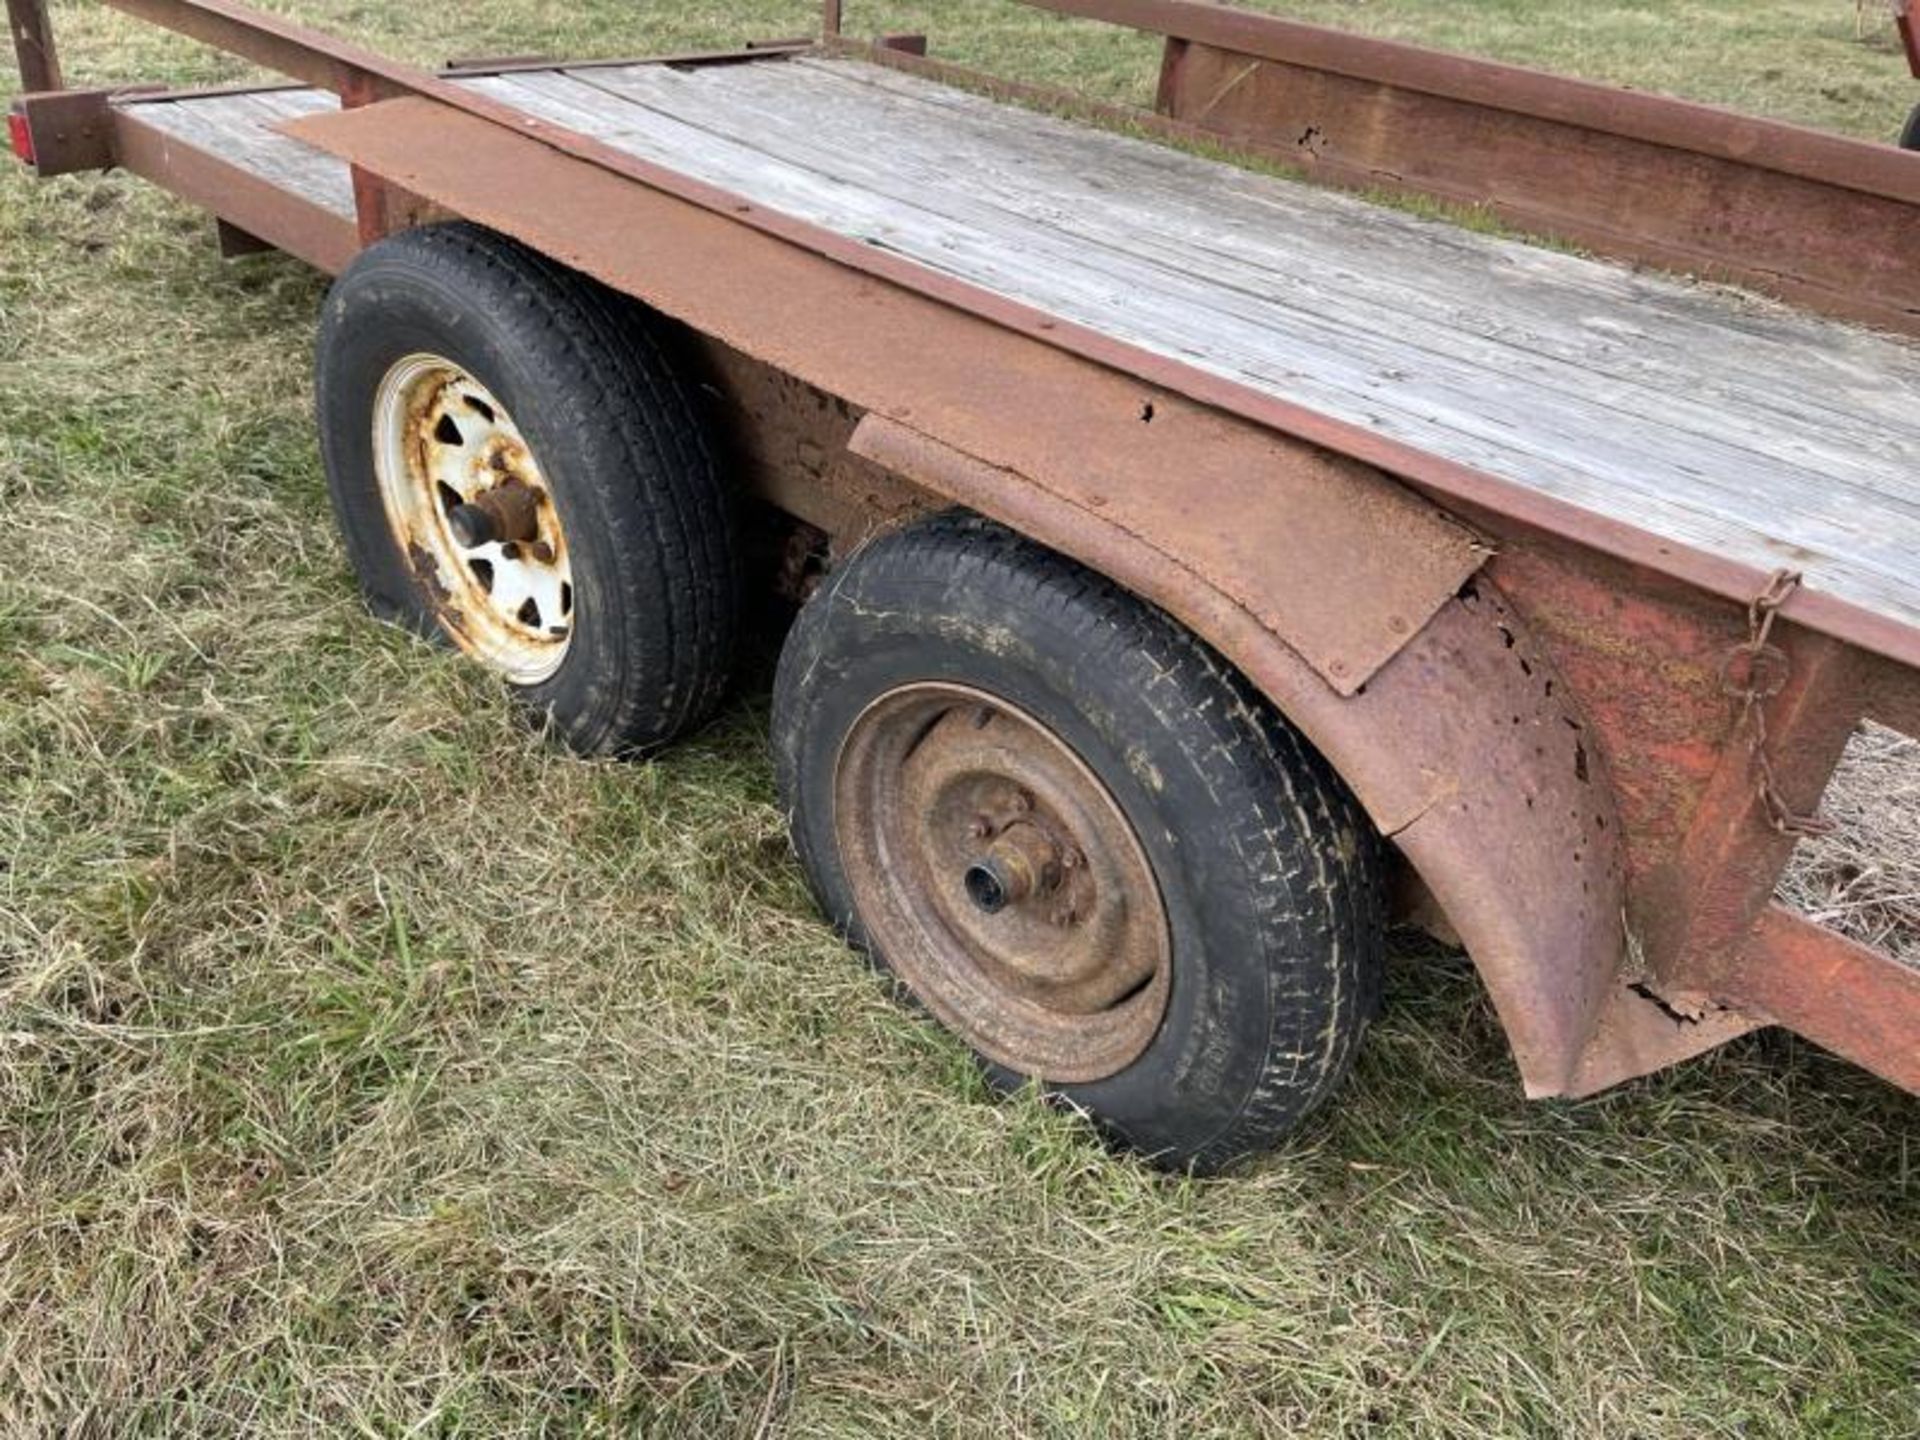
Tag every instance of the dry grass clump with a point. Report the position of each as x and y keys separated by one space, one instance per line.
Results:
x=368 y=1068
x=1864 y=879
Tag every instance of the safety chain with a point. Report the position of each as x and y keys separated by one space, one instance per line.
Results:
x=1754 y=673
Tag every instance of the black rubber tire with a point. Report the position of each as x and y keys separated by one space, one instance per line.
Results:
x=1910 y=137
x=1268 y=869
x=590 y=378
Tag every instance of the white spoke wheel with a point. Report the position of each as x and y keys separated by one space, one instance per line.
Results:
x=519 y=465
x=470 y=509
x=1079 y=839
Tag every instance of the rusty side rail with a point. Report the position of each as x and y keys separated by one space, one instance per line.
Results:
x=33 y=48
x=1823 y=220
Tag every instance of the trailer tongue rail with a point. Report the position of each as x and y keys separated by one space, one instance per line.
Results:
x=1596 y=721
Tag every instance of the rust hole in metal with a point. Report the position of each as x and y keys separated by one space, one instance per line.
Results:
x=1678 y=1016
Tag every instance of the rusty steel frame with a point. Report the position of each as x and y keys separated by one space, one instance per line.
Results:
x=33 y=47
x=1552 y=749
x=516 y=64
x=1513 y=89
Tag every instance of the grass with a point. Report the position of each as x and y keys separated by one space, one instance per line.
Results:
x=367 y=1068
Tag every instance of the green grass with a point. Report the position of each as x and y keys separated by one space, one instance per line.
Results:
x=367 y=1068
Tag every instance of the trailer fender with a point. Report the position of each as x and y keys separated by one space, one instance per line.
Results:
x=1467 y=750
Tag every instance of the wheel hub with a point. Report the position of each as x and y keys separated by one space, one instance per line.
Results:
x=1022 y=864
x=472 y=512
x=1001 y=879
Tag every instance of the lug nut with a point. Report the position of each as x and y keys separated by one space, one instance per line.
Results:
x=541 y=551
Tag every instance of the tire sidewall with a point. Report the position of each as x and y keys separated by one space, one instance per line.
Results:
x=1222 y=1019
x=420 y=311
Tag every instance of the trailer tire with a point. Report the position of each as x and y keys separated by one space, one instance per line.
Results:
x=585 y=482
x=954 y=691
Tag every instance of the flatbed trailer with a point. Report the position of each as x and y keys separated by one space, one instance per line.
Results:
x=1577 y=567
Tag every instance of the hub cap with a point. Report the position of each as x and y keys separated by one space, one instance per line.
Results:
x=474 y=517
x=1002 y=882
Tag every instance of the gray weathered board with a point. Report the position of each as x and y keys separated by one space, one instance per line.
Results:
x=1696 y=414
x=238 y=128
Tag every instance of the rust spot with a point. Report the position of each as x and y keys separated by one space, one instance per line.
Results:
x=420 y=561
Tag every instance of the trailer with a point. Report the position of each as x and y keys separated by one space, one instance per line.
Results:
x=1210 y=554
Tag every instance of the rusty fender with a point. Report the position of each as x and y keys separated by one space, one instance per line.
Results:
x=1467 y=750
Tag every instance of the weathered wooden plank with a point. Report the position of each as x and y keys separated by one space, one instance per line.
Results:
x=1540 y=301
x=1253 y=277
x=1757 y=469
x=238 y=128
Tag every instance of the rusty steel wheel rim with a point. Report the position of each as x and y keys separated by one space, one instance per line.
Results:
x=472 y=513
x=1002 y=882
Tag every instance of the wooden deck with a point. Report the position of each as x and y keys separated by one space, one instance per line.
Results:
x=239 y=128
x=1698 y=415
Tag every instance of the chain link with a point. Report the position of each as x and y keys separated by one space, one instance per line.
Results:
x=1754 y=673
